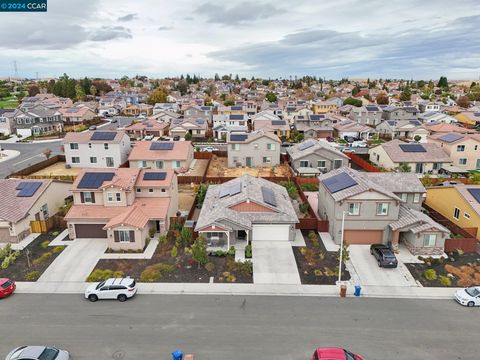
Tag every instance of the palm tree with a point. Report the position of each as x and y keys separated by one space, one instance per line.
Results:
x=404 y=167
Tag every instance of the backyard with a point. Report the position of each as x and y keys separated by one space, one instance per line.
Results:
x=30 y=263
x=186 y=197
x=219 y=168
x=57 y=169
x=316 y=266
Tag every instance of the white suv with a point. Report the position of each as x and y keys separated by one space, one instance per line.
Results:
x=120 y=289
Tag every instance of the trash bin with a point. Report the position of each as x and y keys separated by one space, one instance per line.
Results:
x=358 y=289
x=177 y=355
x=343 y=290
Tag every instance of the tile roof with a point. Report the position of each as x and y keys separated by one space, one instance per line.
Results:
x=397 y=182
x=180 y=151
x=433 y=153
x=254 y=135
x=85 y=137
x=416 y=221
x=296 y=151
x=446 y=128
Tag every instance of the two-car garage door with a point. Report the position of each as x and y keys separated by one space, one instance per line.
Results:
x=366 y=237
x=271 y=232
x=91 y=231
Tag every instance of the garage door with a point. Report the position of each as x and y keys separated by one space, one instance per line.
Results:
x=270 y=232
x=92 y=231
x=363 y=236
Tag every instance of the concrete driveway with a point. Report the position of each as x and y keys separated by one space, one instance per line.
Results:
x=76 y=262
x=369 y=273
x=274 y=263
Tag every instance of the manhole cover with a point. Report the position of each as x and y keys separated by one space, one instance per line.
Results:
x=119 y=354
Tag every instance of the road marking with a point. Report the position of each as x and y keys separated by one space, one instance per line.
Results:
x=30 y=158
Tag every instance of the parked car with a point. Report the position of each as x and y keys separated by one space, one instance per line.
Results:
x=113 y=121
x=349 y=139
x=384 y=255
x=7 y=287
x=176 y=138
x=148 y=137
x=469 y=296
x=334 y=354
x=113 y=288
x=93 y=127
x=37 y=353
x=209 y=149
x=360 y=144
x=345 y=150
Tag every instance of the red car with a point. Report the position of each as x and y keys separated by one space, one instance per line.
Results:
x=7 y=287
x=334 y=354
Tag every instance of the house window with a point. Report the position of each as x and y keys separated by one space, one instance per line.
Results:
x=139 y=190
x=267 y=159
x=89 y=145
x=460 y=148
x=105 y=146
x=110 y=197
x=476 y=147
x=429 y=239
x=235 y=147
x=142 y=164
x=109 y=161
x=123 y=236
x=466 y=215
x=419 y=168
x=382 y=209
x=416 y=198
x=456 y=213
x=437 y=166
x=73 y=146
x=118 y=196
x=462 y=161
x=159 y=164
x=75 y=160
x=304 y=163
x=337 y=164
x=88 y=197
x=163 y=189
x=353 y=208
x=321 y=163
x=176 y=164
x=150 y=190
x=270 y=146
x=93 y=160
x=404 y=197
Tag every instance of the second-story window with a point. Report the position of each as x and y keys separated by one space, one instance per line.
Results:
x=460 y=148
x=236 y=147
x=105 y=146
x=416 y=198
x=382 y=209
x=73 y=146
x=270 y=146
x=353 y=208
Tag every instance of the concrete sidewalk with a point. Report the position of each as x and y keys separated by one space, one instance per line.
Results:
x=274 y=263
x=393 y=292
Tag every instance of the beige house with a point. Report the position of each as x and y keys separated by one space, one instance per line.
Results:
x=122 y=205
x=255 y=149
x=196 y=127
x=176 y=155
x=463 y=149
x=24 y=201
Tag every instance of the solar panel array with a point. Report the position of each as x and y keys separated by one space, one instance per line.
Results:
x=93 y=180
x=391 y=122
x=451 y=137
x=161 y=146
x=28 y=189
x=103 y=135
x=269 y=196
x=305 y=145
x=238 y=137
x=72 y=110
x=317 y=117
x=372 y=108
x=475 y=193
x=159 y=175
x=236 y=117
x=476 y=114
x=339 y=182
x=237 y=107
x=231 y=190
x=412 y=148
x=415 y=122
x=278 y=122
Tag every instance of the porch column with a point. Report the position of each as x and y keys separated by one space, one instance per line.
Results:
x=228 y=239
x=395 y=238
x=247 y=232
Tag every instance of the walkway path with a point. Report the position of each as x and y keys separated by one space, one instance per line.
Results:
x=274 y=263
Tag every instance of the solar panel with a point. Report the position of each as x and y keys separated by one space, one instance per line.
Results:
x=475 y=193
x=21 y=185
x=29 y=188
x=236 y=117
x=412 y=148
x=339 y=182
x=237 y=108
x=269 y=196
x=236 y=189
x=476 y=114
x=161 y=146
x=200 y=121
x=238 y=137
x=72 y=110
x=415 y=122
x=372 y=108
x=225 y=191
x=155 y=176
x=305 y=145
x=451 y=137
x=317 y=117
x=278 y=122
x=93 y=180
x=103 y=135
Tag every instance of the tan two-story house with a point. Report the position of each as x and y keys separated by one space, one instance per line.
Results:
x=176 y=155
x=255 y=149
x=463 y=149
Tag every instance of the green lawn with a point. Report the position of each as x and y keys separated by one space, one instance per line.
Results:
x=8 y=103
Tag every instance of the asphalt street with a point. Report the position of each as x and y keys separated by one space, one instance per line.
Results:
x=238 y=327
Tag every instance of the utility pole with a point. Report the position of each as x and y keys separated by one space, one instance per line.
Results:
x=341 y=249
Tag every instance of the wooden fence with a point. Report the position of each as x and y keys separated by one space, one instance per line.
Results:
x=44 y=226
x=365 y=165
x=465 y=244
x=38 y=166
x=202 y=155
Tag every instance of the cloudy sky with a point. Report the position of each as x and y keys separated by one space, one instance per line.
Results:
x=280 y=38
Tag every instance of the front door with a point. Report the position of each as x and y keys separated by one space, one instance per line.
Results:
x=157 y=226
x=249 y=162
x=241 y=235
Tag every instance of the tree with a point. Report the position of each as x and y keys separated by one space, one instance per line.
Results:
x=352 y=101
x=228 y=102
x=79 y=93
x=201 y=192
x=33 y=90
x=417 y=138
x=404 y=167
x=406 y=94
x=383 y=99
x=188 y=136
x=93 y=90
x=159 y=95
x=199 y=251
x=463 y=101
x=182 y=86
x=443 y=82
x=271 y=97
x=47 y=152
x=186 y=235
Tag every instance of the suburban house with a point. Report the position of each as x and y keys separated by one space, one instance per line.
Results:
x=444 y=128
x=350 y=128
x=196 y=127
x=468 y=118
x=377 y=210
x=400 y=113
x=138 y=109
x=436 y=118
x=395 y=129
x=420 y=158
x=165 y=116
x=313 y=157
x=24 y=201
x=246 y=210
x=429 y=106
x=96 y=149
x=6 y=121
x=314 y=126
x=151 y=127
x=459 y=203
x=160 y=107
x=77 y=115
x=290 y=112
x=267 y=121
x=196 y=112
x=122 y=205
x=463 y=149
x=224 y=124
x=177 y=155
x=323 y=107
x=366 y=115
x=255 y=149
x=233 y=109
x=37 y=120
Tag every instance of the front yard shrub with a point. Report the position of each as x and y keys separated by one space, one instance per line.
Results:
x=231 y=251
x=329 y=272
x=5 y=251
x=199 y=251
x=309 y=187
x=229 y=277
x=58 y=249
x=303 y=207
x=246 y=267
x=163 y=240
x=445 y=280
x=174 y=252
x=32 y=276
x=151 y=232
x=220 y=253
x=430 y=274
x=42 y=258
x=10 y=259
x=186 y=235
x=312 y=235
x=291 y=188
x=345 y=253
x=104 y=274
x=154 y=272
x=44 y=244
x=210 y=267
x=248 y=251
x=460 y=252
x=318 y=272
